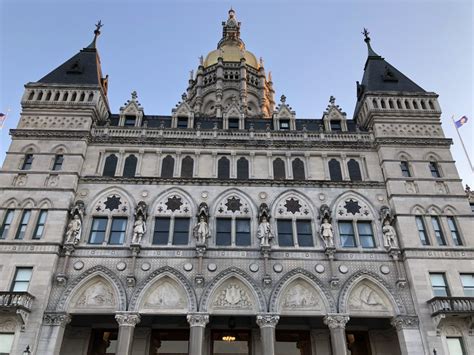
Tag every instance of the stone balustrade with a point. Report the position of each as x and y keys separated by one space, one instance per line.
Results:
x=452 y=305
x=297 y=136
x=12 y=301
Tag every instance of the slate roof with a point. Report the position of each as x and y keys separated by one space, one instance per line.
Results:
x=83 y=68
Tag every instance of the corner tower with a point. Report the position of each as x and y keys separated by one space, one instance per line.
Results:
x=230 y=80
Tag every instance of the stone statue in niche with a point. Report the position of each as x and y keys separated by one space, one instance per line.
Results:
x=389 y=233
x=201 y=230
x=327 y=234
x=139 y=227
x=139 y=230
x=74 y=227
x=264 y=231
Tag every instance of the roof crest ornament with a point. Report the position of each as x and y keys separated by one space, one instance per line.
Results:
x=98 y=26
x=366 y=33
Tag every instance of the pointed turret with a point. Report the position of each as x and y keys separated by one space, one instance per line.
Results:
x=380 y=75
x=82 y=69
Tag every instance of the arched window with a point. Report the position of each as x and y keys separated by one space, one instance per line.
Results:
x=354 y=170
x=335 y=170
x=74 y=96
x=130 y=166
x=40 y=96
x=279 y=169
x=65 y=97
x=187 y=167
x=167 y=167
x=298 y=169
x=48 y=96
x=110 y=165
x=83 y=97
x=56 y=97
x=242 y=169
x=223 y=168
x=91 y=96
x=32 y=94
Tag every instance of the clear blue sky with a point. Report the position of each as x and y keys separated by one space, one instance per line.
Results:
x=313 y=48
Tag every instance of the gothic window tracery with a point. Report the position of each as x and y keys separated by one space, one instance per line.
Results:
x=172 y=222
x=233 y=221
x=109 y=220
x=293 y=222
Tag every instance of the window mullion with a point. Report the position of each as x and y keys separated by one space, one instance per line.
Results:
x=108 y=230
x=295 y=232
x=356 y=233
x=233 y=231
x=171 y=231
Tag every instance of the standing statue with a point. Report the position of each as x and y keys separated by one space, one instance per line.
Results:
x=139 y=230
x=264 y=232
x=201 y=231
x=327 y=234
x=73 y=233
x=389 y=235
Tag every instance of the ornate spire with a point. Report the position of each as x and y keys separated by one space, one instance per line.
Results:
x=366 y=33
x=230 y=30
x=98 y=26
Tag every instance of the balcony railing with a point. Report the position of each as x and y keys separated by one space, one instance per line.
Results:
x=452 y=305
x=13 y=301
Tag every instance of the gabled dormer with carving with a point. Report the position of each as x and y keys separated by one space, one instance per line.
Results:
x=233 y=116
x=284 y=116
x=182 y=114
x=131 y=114
x=334 y=119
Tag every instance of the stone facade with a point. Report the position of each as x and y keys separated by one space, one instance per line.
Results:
x=239 y=225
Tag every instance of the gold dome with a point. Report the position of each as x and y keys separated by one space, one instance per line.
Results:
x=231 y=53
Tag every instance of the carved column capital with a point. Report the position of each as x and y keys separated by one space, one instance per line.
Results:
x=403 y=322
x=56 y=319
x=198 y=319
x=267 y=320
x=127 y=319
x=336 y=321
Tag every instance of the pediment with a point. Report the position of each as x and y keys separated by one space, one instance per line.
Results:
x=300 y=296
x=368 y=298
x=165 y=295
x=233 y=295
x=96 y=294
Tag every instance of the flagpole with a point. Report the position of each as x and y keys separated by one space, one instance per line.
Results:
x=462 y=143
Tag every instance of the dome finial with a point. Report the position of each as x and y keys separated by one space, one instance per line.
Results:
x=98 y=26
x=366 y=33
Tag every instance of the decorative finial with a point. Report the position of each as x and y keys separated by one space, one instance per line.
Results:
x=332 y=100
x=98 y=26
x=261 y=61
x=96 y=34
x=366 y=33
x=134 y=95
x=283 y=99
x=184 y=96
x=201 y=60
x=468 y=189
x=231 y=12
x=191 y=75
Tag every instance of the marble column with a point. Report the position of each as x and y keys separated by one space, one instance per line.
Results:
x=197 y=326
x=52 y=332
x=409 y=336
x=267 y=324
x=337 y=328
x=127 y=322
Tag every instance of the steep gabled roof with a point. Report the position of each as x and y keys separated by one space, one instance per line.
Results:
x=380 y=75
x=82 y=69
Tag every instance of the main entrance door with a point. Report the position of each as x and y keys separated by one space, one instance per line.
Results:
x=236 y=342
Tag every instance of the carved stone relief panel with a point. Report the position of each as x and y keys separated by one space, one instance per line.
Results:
x=351 y=206
x=112 y=203
x=299 y=295
x=232 y=295
x=367 y=298
x=165 y=294
x=97 y=293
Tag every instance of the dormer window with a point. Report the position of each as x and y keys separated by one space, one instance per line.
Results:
x=284 y=125
x=129 y=121
x=233 y=123
x=336 y=126
x=182 y=122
